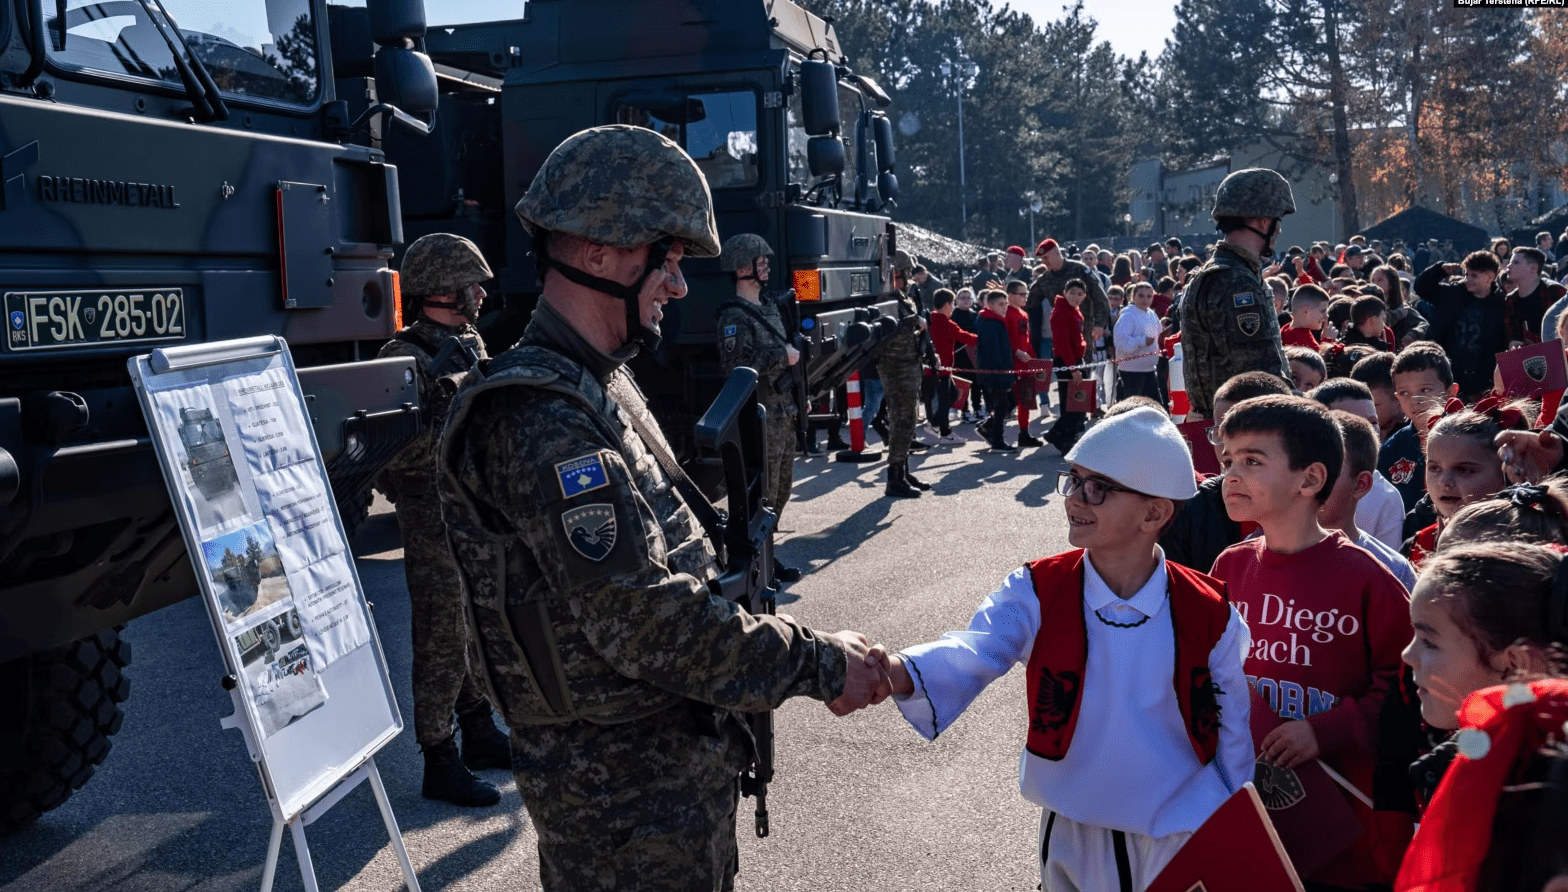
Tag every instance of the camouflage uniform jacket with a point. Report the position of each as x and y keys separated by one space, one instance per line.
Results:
x=424 y=340
x=585 y=574
x=745 y=340
x=902 y=347
x=1096 y=307
x=1227 y=325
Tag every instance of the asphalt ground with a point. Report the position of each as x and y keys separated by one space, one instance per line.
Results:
x=859 y=803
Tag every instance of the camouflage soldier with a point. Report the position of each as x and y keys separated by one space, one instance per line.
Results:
x=584 y=571
x=752 y=334
x=1227 y=314
x=898 y=362
x=441 y=272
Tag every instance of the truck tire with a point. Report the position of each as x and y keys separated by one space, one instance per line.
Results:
x=58 y=709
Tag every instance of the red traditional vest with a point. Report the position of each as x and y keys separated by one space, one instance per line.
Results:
x=1200 y=610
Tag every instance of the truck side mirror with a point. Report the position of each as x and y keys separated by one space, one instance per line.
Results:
x=406 y=79
x=825 y=156
x=882 y=131
x=394 y=21
x=887 y=186
x=819 y=97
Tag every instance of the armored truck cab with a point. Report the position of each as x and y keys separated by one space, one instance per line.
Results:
x=167 y=179
x=793 y=157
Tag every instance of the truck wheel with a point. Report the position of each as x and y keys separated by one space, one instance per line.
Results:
x=58 y=709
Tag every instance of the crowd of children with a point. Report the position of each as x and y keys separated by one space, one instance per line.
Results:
x=1381 y=561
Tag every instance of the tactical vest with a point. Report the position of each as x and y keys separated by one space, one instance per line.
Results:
x=413 y=463
x=537 y=664
x=1199 y=615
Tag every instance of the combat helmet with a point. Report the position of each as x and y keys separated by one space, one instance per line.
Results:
x=622 y=186
x=442 y=263
x=742 y=249
x=1254 y=192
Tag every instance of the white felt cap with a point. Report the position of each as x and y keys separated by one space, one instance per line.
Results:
x=1141 y=450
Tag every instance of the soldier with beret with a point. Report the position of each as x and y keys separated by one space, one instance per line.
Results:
x=585 y=571
x=1227 y=313
x=752 y=334
x=441 y=274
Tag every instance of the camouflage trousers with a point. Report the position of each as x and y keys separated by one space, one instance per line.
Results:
x=779 y=471
x=901 y=395
x=644 y=806
x=442 y=681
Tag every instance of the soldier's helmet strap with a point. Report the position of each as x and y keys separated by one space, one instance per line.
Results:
x=658 y=252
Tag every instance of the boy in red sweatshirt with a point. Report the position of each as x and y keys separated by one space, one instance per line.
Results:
x=1308 y=312
x=1023 y=352
x=1328 y=619
x=1068 y=343
x=946 y=335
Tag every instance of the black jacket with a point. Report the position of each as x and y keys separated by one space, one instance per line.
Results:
x=1202 y=529
x=1471 y=330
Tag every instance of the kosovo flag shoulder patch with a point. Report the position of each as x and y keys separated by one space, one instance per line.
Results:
x=582 y=474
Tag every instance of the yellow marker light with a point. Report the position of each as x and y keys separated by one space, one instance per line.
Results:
x=808 y=284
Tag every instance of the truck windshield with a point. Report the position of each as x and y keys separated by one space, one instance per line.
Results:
x=718 y=130
x=848 y=111
x=260 y=49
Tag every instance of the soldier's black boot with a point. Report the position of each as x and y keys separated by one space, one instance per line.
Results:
x=909 y=477
x=449 y=780
x=898 y=484
x=784 y=573
x=484 y=745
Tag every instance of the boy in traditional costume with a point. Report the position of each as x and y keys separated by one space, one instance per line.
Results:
x=1138 y=706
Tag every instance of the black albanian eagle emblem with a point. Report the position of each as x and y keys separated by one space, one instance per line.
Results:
x=1054 y=699
x=590 y=529
x=1279 y=788
x=1205 y=703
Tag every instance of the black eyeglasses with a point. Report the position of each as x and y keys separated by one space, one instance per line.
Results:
x=1094 y=489
x=1212 y=434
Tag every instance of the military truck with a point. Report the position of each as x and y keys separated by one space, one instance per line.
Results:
x=793 y=143
x=171 y=179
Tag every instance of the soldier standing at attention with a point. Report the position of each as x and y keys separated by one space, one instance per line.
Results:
x=752 y=334
x=584 y=570
x=898 y=362
x=1227 y=313
x=442 y=272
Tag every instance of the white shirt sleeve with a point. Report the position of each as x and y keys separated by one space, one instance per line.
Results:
x=1235 y=758
x=1131 y=329
x=950 y=673
x=1381 y=512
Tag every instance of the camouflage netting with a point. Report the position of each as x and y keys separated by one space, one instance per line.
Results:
x=933 y=250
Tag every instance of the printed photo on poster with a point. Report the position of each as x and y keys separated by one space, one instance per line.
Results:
x=280 y=677
x=246 y=572
x=204 y=453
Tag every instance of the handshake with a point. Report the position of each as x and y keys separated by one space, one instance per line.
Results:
x=873 y=675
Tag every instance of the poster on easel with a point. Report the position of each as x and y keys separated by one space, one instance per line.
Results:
x=230 y=427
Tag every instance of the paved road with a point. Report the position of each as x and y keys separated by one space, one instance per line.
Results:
x=860 y=803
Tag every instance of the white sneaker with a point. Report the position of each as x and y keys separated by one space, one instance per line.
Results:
x=949 y=440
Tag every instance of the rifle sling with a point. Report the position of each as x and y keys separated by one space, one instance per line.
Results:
x=756 y=314
x=712 y=524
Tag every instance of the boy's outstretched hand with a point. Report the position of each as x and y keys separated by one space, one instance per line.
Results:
x=1289 y=745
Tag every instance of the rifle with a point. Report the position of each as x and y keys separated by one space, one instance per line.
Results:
x=793 y=379
x=734 y=427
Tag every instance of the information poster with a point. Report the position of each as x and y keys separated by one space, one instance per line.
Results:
x=277 y=565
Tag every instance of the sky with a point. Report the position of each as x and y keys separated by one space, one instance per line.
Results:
x=1132 y=26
